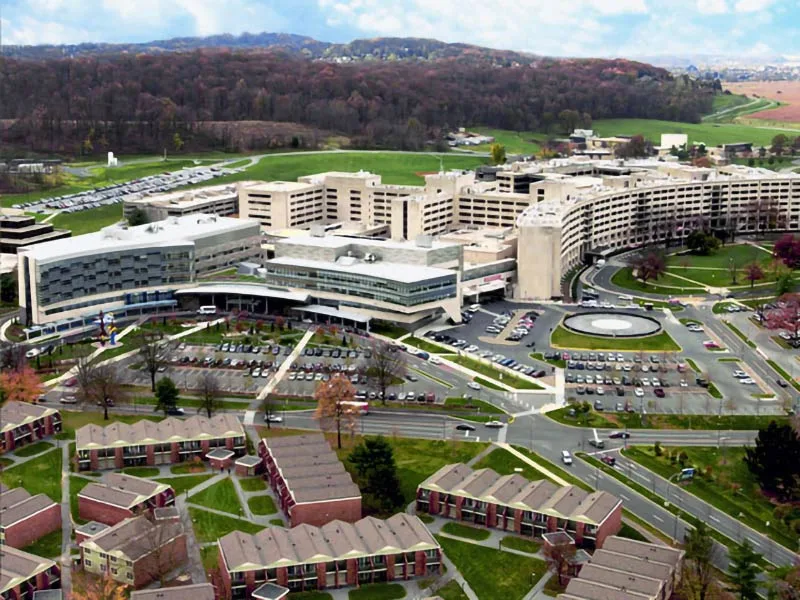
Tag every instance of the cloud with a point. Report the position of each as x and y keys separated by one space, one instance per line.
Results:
x=26 y=30
x=748 y=6
x=712 y=7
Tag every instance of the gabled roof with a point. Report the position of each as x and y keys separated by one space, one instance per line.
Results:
x=16 y=566
x=124 y=491
x=657 y=552
x=13 y=414
x=134 y=538
x=17 y=505
x=171 y=429
x=337 y=540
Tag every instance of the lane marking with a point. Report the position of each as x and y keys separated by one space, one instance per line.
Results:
x=713 y=518
x=658 y=518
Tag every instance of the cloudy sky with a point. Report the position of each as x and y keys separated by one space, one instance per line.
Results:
x=550 y=27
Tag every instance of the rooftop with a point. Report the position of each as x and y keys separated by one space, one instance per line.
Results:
x=16 y=566
x=124 y=491
x=170 y=429
x=197 y=591
x=169 y=232
x=187 y=198
x=134 y=538
x=402 y=273
x=279 y=186
x=337 y=540
x=13 y=414
x=338 y=241
x=17 y=505
x=91 y=528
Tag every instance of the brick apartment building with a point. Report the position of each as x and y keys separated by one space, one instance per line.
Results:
x=309 y=480
x=122 y=497
x=136 y=551
x=197 y=591
x=513 y=503
x=22 y=574
x=172 y=440
x=335 y=555
x=627 y=570
x=22 y=423
x=25 y=518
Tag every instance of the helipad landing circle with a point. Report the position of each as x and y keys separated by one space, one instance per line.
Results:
x=608 y=324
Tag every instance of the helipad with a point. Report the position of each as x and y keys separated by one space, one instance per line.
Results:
x=608 y=324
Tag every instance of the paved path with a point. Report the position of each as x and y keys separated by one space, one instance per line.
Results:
x=66 y=524
x=195 y=564
x=544 y=471
x=279 y=374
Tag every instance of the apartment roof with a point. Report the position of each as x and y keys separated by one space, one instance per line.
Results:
x=248 y=461
x=13 y=414
x=198 y=591
x=568 y=502
x=403 y=273
x=220 y=454
x=123 y=491
x=638 y=584
x=632 y=564
x=337 y=540
x=311 y=471
x=17 y=505
x=657 y=552
x=134 y=538
x=594 y=591
x=16 y=566
x=149 y=432
x=91 y=528
x=170 y=232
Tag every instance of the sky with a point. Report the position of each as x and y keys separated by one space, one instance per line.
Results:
x=627 y=28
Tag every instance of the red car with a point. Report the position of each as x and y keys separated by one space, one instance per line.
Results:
x=609 y=460
x=71 y=382
x=659 y=392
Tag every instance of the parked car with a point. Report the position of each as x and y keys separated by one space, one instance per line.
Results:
x=473 y=386
x=619 y=435
x=175 y=411
x=68 y=400
x=495 y=424
x=465 y=427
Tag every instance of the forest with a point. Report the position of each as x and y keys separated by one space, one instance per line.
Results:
x=228 y=100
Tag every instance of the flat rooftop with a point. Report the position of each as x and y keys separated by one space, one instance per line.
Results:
x=338 y=241
x=402 y=273
x=187 y=198
x=169 y=232
x=279 y=186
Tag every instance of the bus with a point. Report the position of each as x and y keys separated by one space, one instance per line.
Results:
x=207 y=310
x=361 y=408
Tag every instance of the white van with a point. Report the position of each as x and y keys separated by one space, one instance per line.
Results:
x=566 y=457
x=474 y=308
x=625 y=297
x=207 y=310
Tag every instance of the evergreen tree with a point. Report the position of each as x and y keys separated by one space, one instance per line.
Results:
x=743 y=571
x=376 y=472
x=166 y=394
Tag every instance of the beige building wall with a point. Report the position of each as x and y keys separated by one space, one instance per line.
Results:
x=539 y=262
x=282 y=204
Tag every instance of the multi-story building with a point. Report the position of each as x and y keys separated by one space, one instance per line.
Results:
x=25 y=518
x=335 y=555
x=122 y=497
x=220 y=200
x=197 y=591
x=513 y=503
x=136 y=551
x=22 y=230
x=22 y=574
x=172 y=440
x=22 y=423
x=129 y=271
x=628 y=570
x=309 y=480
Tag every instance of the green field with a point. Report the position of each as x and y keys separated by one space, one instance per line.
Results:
x=516 y=142
x=209 y=527
x=40 y=475
x=220 y=496
x=661 y=342
x=666 y=285
x=726 y=101
x=710 y=134
x=466 y=531
x=503 y=462
x=262 y=505
x=183 y=483
x=741 y=254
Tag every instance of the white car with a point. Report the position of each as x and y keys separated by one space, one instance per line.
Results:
x=600 y=391
x=566 y=457
x=435 y=360
x=655 y=382
x=472 y=348
x=473 y=386
x=747 y=381
x=638 y=392
x=739 y=374
x=683 y=383
x=33 y=353
x=495 y=424
x=645 y=381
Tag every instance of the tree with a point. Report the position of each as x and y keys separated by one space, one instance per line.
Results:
x=138 y=216
x=753 y=272
x=649 y=265
x=787 y=249
x=636 y=147
x=783 y=284
x=774 y=459
x=20 y=385
x=787 y=583
x=154 y=352
x=99 y=384
x=779 y=143
x=86 y=586
x=385 y=365
x=786 y=315
x=9 y=287
x=702 y=243
x=743 y=571
x=699 y=568
x=333 y=411
x=559 y=557
x=177 y=142
x=376 y=472
x=166 y=394
x=12 y=356
x=209 y=394
x=497 y=153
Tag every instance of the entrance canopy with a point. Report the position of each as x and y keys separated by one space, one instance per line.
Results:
x=260 y=291
x=330 y=311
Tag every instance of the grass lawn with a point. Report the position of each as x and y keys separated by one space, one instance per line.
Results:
x=714 y=391
x=782 y=372
x=465 y=531
x=495 y=374
x=611 y=420
x=493 y=574
x=521 y=544
x=472 y=404
x=76 y=484
x=209 y=527
x=262 y=505
x=48 y=546
x=554 y=469
x=741 y=254
x=220 y=496
x=378 y=591
x=488 y=384
x=660 y=342
x=188 y=468
x=88 y=221
x=277 y=522
x=556 y=362
x=666 y=285
x=210 y=557
x=451 y=591
x=40 y=475
x=312 y=595
x=632 y=534
x=181 y=484
x=427 y=519
x=710 y=134
x=725 y=483
x=142 y=471
x=505 y=463
x=253 y=484
x=515 y=142
x=388 y=330
x=425 y=345
x=32 y=449
x=73 y=420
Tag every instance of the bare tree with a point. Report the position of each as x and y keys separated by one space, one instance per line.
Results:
x=334 y=408
x=210 y=394
x=106 y=387
x=155 y=354
x=385 y=365
x=12 y=356
x=559 y=557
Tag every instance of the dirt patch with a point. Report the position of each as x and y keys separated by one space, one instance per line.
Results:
x=786 y=92
x=423 y=173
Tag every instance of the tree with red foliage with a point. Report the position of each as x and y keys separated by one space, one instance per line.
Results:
x=786 y=315
x=650 y=265
x=333 y=406
x=753 y=272
x=20 y=385
x=559 y=557
x=787 y=249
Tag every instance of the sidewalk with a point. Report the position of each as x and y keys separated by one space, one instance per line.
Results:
x=275 y=379
x=543 y=470
x=66 y=524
